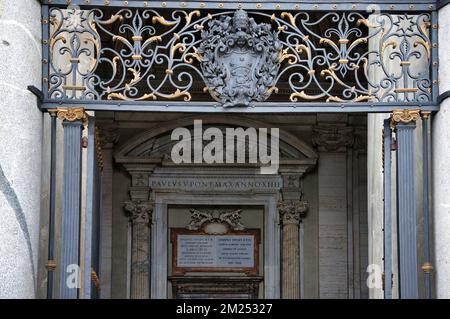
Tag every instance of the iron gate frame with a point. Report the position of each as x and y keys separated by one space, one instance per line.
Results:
x=402 y=6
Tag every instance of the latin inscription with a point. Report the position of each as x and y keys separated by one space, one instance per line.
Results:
x=224 y=251
x=213 y=184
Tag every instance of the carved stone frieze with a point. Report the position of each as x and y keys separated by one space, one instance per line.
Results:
x=332 y=138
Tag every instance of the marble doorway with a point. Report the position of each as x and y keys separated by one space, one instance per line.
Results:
x=259 y=212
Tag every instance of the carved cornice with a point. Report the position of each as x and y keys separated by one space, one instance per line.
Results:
x=291 y=211
x=139 y=212
x=201 y=218
x=331 y=138
x=404 y=116
x=72 y=114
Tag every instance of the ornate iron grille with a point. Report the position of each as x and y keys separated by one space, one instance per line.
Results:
x=154 y=55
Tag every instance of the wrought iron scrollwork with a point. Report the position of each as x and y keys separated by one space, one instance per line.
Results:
x=75 y=48
x=148 y=54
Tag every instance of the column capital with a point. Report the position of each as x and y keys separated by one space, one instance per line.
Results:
x=427 y=268
x=72 y=114
x=139 y=212
x=404 y=116
x=52 y=112
x=425 y=114
x=291 y=211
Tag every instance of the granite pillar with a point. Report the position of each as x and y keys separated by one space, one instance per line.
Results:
x=440 y=165
x=20 y=154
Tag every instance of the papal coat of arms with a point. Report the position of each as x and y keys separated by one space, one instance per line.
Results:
x=240 y=59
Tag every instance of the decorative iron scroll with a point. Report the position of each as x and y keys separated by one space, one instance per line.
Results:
x=148 y=55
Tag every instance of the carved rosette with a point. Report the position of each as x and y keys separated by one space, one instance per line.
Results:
x=139 y=212
x=239 y=59
x=404 y=116
x=72 y=114
x=292 y=211
x=332 y=138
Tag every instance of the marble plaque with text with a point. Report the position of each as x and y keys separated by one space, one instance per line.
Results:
x=204 y=252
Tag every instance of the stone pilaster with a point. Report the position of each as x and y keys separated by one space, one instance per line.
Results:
x=404 y=121
x=140 y=214
x=291 y=212
x=107 y=136
x=334 y=142
x=73 y=121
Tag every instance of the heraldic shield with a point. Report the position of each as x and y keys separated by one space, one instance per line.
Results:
x=240 y=59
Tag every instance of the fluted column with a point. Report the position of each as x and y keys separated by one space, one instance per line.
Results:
x=291 y=212
x=407 y=210
x=73 y=120
x=140 y=214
